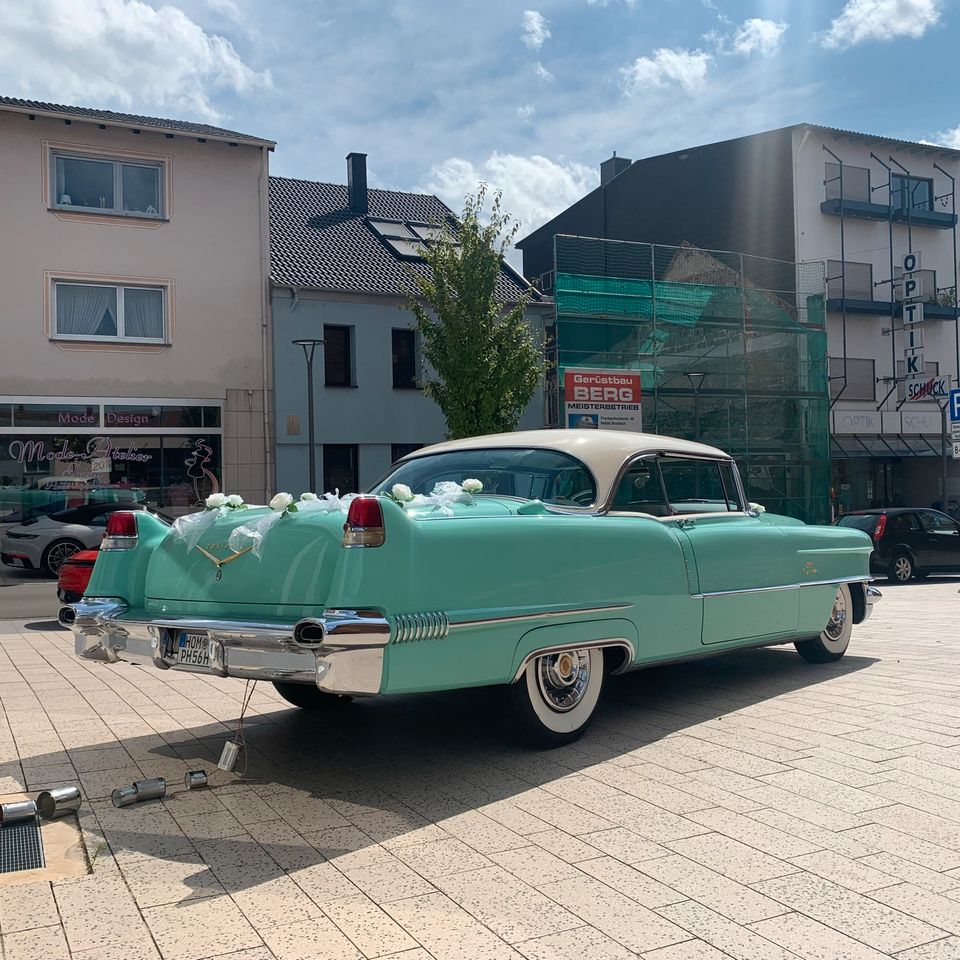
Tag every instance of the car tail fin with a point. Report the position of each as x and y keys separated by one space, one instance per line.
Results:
x=121 y=531
x=364 y=526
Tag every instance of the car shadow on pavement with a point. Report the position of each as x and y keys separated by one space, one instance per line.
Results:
x=356 y=797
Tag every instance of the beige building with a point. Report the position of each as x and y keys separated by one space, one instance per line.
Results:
x=134 y=265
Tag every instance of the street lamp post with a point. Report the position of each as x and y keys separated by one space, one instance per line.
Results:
x=309 y=346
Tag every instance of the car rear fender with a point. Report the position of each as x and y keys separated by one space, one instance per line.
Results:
x=616 y=634
x=122 y=573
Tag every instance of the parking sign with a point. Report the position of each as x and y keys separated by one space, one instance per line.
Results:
x=955 y=406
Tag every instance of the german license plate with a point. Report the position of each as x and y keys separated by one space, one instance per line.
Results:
x=193 y=649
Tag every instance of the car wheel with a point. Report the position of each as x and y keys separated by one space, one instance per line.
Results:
x=308 y=697
x=833 y=641
x=556 y=696
x=901 y=569
x=56 y=553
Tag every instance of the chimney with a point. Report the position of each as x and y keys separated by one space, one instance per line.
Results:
x=357 y=182
x=613 y=168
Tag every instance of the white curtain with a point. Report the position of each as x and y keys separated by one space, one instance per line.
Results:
x=143 y=312
x=81 y=308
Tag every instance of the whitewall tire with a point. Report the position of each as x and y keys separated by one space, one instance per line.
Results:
x=833 y=641
x=556 y=696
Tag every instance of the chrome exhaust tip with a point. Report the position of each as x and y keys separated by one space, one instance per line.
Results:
x=67 y=616
x=309 y=633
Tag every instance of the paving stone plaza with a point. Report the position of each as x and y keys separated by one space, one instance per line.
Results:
x=752 y=807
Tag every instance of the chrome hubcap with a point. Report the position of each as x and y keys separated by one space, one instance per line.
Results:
x=902 y=568
x=563 y=678
x=838 y=618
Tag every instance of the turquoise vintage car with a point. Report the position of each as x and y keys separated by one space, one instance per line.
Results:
x=537 y=560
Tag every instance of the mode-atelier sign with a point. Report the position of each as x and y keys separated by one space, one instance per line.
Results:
x=918 y=385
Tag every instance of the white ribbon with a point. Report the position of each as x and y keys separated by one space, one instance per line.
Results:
x=444 y=495
x=252 y=534
x=191 y=527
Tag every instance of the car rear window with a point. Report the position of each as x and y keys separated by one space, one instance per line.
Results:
x=862 y=521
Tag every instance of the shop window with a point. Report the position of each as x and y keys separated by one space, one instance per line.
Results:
x=98 y=311
x=337 y=356
x=399 y=450
x=340 y=468
x=405 y=359
x=107 y=185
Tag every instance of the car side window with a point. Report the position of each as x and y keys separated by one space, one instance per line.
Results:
x=938 y=523
x=100 y=520
x=639 y=490
x=903 y=523
x=695 y=486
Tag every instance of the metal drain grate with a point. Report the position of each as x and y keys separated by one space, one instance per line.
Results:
x=21 y=847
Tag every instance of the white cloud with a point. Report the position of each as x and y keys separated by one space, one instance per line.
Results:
x=535 y=188
x=228 y=8
x=862 y=20
x=604 y=3
x=685 y=68
x=544 y=74
x=535 y=30
x=946 y=138
x=121 y=53
x=759 y=36
x=526 y=111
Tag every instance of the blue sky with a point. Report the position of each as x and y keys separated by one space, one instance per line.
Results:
x=529 y=95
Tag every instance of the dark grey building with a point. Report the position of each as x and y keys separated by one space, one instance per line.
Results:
x=342 y=257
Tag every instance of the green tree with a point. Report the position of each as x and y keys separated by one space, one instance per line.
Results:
x=488 y=364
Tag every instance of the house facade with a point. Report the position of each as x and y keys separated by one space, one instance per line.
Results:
x=341 y=261
x=134 y=257
x=778 y=197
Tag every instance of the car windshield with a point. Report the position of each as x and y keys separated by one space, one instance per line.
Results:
x=528 y=473
x=862 y=521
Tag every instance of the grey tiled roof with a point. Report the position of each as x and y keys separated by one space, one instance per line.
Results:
x=317 y=242
x=110 y=116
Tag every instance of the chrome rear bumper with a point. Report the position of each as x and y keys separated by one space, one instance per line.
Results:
x=346 y=657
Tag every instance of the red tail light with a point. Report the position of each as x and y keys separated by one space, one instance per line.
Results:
x=364 y=526
x=881 y=526
x=121 y=531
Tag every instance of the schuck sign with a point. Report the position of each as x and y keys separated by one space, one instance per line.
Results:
x=602 y=399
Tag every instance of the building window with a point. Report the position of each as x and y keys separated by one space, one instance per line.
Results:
x=340 y=468
x=911 y=193
x=131 y=188
x=399 y=450
x=854 y=279
x=856 y=182
x=861 y=379
x=337 y=356
x=405 y=359
x=98 y=311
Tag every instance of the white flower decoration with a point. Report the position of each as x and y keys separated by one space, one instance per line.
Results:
x=281 y=502
x=401 y=493
x=215 y=500
x=758 y=508
x=234 y=500
x=472 y=486
x=308 y=496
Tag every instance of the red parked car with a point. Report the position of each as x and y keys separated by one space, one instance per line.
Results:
x=74 y=575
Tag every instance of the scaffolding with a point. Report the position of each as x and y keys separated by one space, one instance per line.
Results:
x=731 y=349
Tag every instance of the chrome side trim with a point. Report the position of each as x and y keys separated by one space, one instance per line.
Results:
x=425 y=625
x=545 y=615
x=782 y=587
x=621 y=642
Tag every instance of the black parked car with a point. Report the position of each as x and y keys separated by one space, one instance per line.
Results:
x=909 y=542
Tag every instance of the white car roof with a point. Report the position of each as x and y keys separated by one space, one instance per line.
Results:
x=603 y=451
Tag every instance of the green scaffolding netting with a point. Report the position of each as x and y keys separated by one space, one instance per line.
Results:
x=755 y=329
